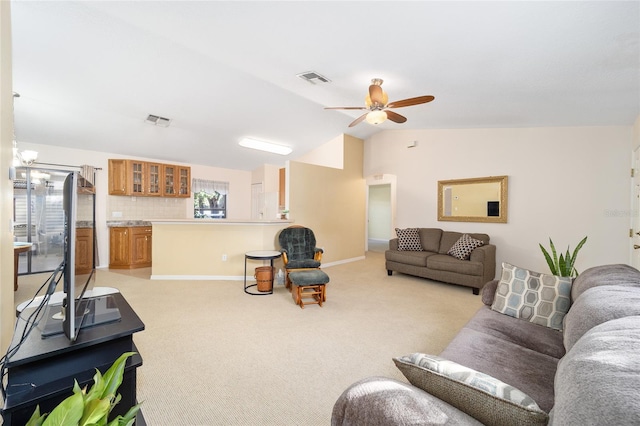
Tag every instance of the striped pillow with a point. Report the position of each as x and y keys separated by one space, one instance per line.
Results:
x=484 y=397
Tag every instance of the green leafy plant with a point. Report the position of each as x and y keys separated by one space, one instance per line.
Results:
x=92 y=407
x=564 y=265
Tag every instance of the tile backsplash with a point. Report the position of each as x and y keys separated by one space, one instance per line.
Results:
x=139 y=208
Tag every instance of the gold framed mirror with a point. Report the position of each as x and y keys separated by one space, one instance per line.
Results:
x=482 y=199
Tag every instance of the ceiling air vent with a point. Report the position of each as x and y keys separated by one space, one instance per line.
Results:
x=158 y=121
x=313 y=77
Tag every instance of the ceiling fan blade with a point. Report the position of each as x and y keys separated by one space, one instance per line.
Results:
x=345 y=108
x=395 y=117
x=376 y=95
x=410 y=101
x=358 y=120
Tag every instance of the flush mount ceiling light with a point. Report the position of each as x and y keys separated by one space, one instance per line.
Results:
x=157 y=120
x=265 y=146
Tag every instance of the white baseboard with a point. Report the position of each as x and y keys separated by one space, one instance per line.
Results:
x=236 y=277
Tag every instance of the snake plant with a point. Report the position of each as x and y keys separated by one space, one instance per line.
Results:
x=564 y=265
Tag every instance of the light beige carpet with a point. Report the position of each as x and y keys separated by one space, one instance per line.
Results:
x=214 y=355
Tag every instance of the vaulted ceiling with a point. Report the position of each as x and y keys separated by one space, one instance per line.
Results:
x=89 y=73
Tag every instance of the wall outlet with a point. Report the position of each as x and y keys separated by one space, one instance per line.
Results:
x=116 y=214
x=224 y=257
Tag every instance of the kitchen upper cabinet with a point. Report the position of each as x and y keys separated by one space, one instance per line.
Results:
x=118 y=177
x=177 y=181
x=143 y=178
x=130 y=247
x=169 y=180
x=137 y=173
x=184 y=181
x=154 y=174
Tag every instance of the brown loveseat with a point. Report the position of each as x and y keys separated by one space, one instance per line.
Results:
x=433 y=262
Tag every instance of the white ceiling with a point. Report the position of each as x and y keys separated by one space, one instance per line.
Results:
x=89 y=73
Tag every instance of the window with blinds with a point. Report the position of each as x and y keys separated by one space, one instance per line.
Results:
x=209 y=198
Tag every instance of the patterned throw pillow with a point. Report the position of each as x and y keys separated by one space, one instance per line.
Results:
x=408 y=239
x=538 y=298
x=464 y=246
x=484 y=397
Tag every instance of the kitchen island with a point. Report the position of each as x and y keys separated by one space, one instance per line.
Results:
x=209 y=249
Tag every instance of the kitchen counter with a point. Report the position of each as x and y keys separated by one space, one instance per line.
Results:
x=127 y=223
x=206 y=221
x=209 y=249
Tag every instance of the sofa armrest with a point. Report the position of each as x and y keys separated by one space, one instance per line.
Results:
x=489 y=292
x=380 y=401
x=393 y=244
x=486 y=254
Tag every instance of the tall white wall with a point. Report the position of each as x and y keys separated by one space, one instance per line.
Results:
x=564 y=183
x=6 y=154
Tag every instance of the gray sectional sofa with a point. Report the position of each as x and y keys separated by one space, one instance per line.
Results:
x=433 y=262
x=515 y=370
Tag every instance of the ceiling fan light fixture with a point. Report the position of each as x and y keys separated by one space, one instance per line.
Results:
x=376 y=117
x=265 y=146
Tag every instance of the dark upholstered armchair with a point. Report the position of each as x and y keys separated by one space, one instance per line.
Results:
x=299 y=251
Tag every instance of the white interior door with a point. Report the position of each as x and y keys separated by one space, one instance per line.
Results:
x=257 y=201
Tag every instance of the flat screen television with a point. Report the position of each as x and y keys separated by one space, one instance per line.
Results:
x=79 y=309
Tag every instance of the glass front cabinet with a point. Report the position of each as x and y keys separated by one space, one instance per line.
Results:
x=143 y=178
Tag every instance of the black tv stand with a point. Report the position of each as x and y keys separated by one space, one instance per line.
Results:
x=42 y=372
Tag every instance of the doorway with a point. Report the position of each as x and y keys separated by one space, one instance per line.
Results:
x=38 y=218
x=380 y=212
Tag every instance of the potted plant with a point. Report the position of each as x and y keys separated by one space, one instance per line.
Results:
x=564 y=265
x=91 y=407
x=284 y=213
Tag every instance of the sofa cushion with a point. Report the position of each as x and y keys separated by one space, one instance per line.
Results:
x=464 y=246
x=539 y=298
x=408 y=239
x=449 y=238
x=598 y=305
x=486 y=398
x=430 y=239
x=598 y=382
x=414 y=258
x=380 y=401
x=523 y=333
x=526 y=369
x=618 y=274
x=444 y=262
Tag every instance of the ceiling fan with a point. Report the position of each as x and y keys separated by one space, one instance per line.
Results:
x=377 y=104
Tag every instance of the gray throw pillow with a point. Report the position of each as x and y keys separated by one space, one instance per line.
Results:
x=542 y=299
x=484 y=397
